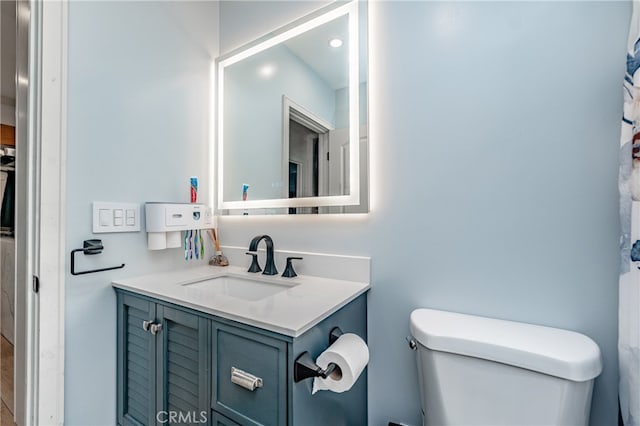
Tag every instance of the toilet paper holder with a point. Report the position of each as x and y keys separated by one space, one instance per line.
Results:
x=305 y=367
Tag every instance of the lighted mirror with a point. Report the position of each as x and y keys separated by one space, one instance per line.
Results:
x=292 y=118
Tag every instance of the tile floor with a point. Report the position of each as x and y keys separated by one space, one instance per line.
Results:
x=6 y=382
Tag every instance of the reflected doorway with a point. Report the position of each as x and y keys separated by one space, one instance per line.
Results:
x=304 y=164
x=309 y=158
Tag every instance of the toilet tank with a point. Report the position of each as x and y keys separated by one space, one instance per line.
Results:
x=480 y=371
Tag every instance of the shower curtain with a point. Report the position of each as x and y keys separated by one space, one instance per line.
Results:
x=629 y=183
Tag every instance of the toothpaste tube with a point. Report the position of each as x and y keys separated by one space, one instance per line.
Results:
x=245 y=188
x=194 y=189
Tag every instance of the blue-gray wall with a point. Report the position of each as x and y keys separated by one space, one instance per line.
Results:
x=494 y=141
x=494 y=151
x=138 y=128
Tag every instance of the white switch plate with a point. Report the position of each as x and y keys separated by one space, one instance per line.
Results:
x=114 y=213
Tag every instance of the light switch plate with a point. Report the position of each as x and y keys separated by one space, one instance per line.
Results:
x=109 y=217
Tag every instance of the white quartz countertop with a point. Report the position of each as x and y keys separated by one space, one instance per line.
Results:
x=303 y=302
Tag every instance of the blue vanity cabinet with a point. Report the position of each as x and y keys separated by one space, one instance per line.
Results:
x=163 y=364
x=213 y=371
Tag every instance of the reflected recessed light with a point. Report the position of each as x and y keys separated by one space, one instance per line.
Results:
x=335 y=42
x=267 y=70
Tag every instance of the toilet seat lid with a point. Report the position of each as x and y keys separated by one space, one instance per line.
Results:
x=561 y=353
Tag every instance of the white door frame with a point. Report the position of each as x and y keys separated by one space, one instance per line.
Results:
x=41 y=209
x=52 y=212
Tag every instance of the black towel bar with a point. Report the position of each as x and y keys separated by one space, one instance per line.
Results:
x=90 y=247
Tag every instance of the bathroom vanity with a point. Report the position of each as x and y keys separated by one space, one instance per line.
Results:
x=214 y=346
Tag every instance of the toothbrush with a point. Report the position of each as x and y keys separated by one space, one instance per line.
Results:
x=186 y=250
x=190 y=244
x=195 y=244
x=201 y=246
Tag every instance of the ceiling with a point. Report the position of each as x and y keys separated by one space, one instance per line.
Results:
x=312 y=47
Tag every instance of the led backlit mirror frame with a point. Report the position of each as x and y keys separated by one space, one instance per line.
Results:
x=299 y=27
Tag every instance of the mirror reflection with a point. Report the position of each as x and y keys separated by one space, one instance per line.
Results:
x=287 y=115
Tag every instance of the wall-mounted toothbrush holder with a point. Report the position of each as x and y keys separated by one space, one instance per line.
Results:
x=305 y=367
x=165 y=221
x=90 y=247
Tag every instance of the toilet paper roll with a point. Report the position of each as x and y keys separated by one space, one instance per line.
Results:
x=351 y=354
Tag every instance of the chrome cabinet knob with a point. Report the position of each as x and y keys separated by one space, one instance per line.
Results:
x=155 y=328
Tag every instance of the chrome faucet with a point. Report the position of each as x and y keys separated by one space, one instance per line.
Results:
x=269 y=267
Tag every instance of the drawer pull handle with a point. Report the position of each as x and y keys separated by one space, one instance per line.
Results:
x=244 y=379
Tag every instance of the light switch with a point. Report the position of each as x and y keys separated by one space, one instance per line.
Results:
x=106 y=217
x=130 y=217
x=115 y=217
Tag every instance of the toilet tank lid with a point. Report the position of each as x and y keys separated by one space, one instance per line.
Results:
x=553 y=351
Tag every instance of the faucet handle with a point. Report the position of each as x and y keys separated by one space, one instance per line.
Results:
x=255 y=267
x=288 y=271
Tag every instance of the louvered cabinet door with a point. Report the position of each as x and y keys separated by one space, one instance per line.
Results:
x=183 y=366
x=136 y=362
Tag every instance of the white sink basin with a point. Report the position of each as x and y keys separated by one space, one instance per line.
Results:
x=239 y=288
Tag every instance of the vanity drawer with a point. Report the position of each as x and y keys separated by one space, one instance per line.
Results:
x=250 y=386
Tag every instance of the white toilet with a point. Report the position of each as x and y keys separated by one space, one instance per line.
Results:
x=482 y=371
